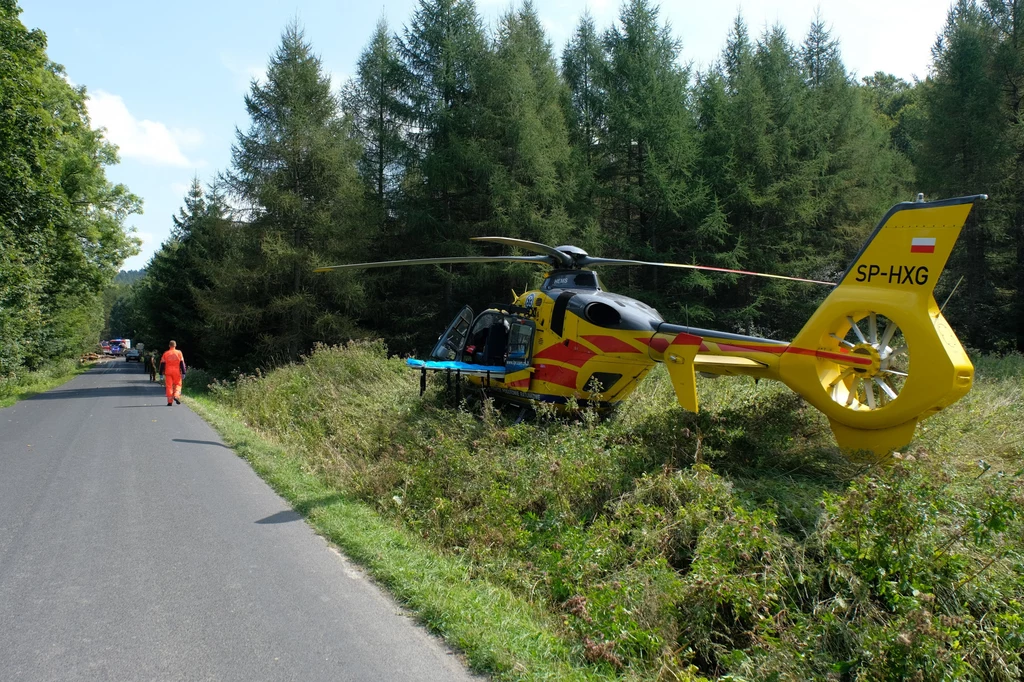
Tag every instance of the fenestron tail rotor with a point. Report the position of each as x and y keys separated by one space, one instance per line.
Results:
x=877 y=356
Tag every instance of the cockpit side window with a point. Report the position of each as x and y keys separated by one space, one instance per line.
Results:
x=520 y=344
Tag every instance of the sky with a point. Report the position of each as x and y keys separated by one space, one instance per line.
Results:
x=166 y=80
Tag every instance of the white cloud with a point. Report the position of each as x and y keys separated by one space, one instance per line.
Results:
x=180 y=189
x=339 y=77
x=150 y=243
x=244 y=73
x=148 y=141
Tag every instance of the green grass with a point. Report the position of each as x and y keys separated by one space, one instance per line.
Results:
x=499 y=632
x=659 y=545
x=27 y=384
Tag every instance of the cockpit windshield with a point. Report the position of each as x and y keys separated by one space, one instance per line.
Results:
x=571 y=279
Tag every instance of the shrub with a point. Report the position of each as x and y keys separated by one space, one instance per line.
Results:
x=198 y=380
x=735 y=542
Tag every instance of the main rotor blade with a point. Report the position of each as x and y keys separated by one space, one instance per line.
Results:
x=536 y=247
x=438 y=261
x=591 y=260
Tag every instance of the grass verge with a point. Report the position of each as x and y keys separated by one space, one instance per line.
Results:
x=27 y=384
x=500 y=633
x=736 y=543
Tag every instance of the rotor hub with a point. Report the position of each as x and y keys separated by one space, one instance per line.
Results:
x=875 y=364
x=867 y=350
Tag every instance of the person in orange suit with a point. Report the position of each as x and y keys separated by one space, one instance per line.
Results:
x=172 y=366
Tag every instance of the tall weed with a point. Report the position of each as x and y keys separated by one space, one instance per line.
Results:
x=736 y=542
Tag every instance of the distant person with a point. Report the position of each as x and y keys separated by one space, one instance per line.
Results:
x=151 y=365
x=172 y=367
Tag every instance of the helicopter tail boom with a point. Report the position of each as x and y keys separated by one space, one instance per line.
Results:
x=878 y=355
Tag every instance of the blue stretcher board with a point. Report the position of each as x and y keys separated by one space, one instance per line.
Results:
x=466 y=368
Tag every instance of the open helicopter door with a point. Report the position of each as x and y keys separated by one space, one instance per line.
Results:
x=518 y=367
x=450 y=344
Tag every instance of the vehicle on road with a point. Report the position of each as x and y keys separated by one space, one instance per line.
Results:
x=133 y=355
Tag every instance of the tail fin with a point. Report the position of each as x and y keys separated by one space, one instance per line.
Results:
x=886 y=357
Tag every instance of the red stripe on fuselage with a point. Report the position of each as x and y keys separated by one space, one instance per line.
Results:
x=684 y=339
x=842 y=356
x=573 y=354
x=658 y=343
x=554 y=374
x=847 y=357
x=611 y=344
x=746 y=348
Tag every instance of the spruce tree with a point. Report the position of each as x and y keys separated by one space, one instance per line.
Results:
x=375 y=102
x=446 y=56
x=964 y=150
x=656 y=209
x=584 y=72
x=294 y=178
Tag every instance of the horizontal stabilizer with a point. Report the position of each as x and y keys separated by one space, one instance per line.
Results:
x=707 y=362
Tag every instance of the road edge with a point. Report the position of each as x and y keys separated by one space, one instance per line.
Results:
x=498 y=633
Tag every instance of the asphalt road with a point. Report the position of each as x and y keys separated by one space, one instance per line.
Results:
x=134 y=545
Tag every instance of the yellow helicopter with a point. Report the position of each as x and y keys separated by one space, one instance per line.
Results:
x=852 y=360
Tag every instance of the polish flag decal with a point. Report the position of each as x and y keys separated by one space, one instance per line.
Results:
x=922 y=245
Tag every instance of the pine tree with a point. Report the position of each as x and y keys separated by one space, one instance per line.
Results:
x=820 y=56
x=294 y=176
x=446 y=56
x=583 y=66
x=964 y=150
x=526 y=126
x=798 y=166
x=584 y=71
x=375 y=101
x=180 y=277
x=1007 y=17
x=525 y=141
x=853 y=169
x=656 y=209
x=738 y=53
x=897 y=103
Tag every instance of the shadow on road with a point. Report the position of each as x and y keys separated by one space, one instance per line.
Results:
x=96 y=392
x=201 y=442
x=132 y=407
x=141 y=388
x=286 y=516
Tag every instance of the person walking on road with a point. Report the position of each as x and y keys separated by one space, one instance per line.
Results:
x=151 y=365
x=172 y=367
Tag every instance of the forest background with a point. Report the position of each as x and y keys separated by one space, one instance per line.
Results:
x=773 y=159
